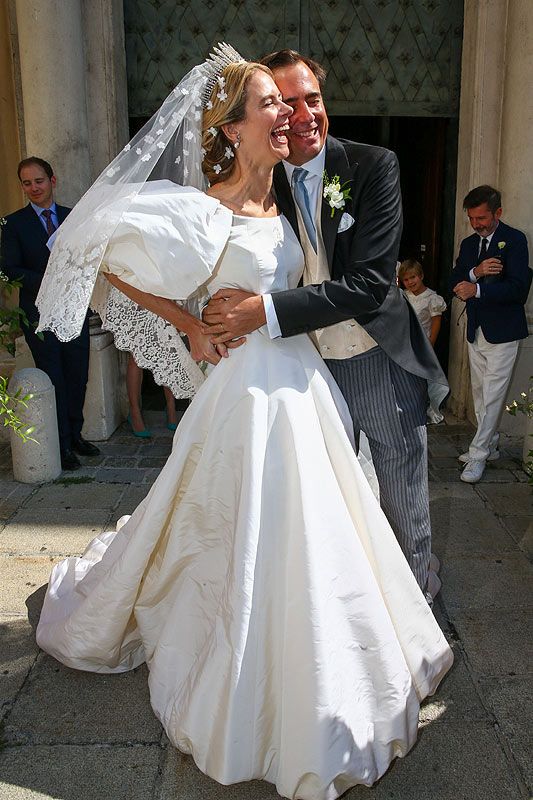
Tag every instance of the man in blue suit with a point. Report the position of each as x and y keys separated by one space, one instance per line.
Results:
x=493 y=277
x=24 y=256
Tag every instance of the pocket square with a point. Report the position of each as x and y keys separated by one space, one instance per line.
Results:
x=346 y=222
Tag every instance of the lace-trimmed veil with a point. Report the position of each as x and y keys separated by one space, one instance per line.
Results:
x=168 y=146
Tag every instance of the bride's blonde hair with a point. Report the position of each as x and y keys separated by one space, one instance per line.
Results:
x=225 y=111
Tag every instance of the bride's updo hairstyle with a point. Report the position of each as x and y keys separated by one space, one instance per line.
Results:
x=226 y=105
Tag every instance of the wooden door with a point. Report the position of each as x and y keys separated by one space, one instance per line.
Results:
x=383 y=57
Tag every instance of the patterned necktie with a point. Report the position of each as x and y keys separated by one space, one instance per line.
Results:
x=50 y=227
x=482 y=251
x=301 y=195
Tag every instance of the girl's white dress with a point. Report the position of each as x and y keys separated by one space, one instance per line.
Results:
x=285 y=635
x=426 y=305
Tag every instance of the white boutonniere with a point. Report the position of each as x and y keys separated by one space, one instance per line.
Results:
x=335 y=193
x=3 y=221
x=501 y=245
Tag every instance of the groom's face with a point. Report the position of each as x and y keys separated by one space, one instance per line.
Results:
x=309 y=122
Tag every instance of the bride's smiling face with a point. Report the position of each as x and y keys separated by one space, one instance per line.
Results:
x=263 y=131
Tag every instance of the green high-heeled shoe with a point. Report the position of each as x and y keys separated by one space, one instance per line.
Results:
x=144 y=434
x=171 y=425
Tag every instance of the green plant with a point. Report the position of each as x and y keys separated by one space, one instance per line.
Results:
x=525 y=406
x=8 y=410
x=11 y=319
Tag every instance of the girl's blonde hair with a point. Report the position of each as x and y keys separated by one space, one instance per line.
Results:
x=410 y=265
x=218 y=148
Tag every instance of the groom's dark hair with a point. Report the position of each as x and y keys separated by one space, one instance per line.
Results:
x=286 y=58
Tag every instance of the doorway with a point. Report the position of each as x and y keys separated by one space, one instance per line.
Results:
x=427 y=153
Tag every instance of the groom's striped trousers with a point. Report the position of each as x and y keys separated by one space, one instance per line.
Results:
x=389 y=405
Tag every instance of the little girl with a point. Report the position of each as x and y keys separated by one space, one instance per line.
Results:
x=428 y=307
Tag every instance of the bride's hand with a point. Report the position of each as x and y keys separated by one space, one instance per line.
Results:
x=201 y=347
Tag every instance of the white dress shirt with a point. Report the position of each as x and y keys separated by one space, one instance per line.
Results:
x=313 y=184
x=39 y=211
x=473 y=278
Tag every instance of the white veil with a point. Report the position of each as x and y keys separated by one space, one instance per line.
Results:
x=168 y=147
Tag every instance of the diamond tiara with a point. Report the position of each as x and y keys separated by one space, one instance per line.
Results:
x=223 y=55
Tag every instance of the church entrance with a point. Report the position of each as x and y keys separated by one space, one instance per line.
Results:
x=427 y=153
x=426 y=150
x=393 y=71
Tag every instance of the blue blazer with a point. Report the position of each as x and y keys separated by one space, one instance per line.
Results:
x=24 y=254
x=499 y=311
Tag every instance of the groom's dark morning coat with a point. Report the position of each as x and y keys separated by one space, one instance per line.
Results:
x=362 y=260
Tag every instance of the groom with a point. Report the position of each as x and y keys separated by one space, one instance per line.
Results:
x=363 y=326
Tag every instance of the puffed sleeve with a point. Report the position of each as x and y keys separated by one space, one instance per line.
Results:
x=167 y=243
x=161 y=238
x=169 y=240
x=437 y=305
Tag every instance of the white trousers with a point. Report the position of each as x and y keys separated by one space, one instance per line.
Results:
x=491 y=367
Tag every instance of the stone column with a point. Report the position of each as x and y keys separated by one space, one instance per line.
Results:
x=52 y=70
x=102 y=412
x=482 y=70
x=11 y=196
x=106 y=80
x=10 y=192
x=516 y=169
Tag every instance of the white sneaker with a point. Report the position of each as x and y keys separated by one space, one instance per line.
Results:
x=492 y=456
x=434 y=416
x=473 y=471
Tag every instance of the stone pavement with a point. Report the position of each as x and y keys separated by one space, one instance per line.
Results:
x=79 y=736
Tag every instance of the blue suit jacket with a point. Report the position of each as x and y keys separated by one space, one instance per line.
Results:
x=499 y=311
x=24 y=254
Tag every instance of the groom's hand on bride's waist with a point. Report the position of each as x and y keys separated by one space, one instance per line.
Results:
x=233 y=313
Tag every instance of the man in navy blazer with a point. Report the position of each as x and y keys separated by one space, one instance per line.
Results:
x=24 y=256
x=492 y=276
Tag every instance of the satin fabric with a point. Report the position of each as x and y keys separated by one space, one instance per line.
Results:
x=285 y=635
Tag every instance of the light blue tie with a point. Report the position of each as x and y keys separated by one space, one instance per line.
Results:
x=301 y=195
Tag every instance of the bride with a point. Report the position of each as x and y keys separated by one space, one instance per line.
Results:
x=286 y=637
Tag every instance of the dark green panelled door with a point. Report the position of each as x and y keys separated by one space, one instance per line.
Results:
x=384 y=57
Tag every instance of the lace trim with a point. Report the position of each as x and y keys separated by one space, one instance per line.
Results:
x=155 y=344
x=72 y=281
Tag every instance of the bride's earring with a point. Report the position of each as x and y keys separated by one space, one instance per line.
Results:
x=236 y=144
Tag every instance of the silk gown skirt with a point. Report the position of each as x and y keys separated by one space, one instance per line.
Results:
x=285 y=635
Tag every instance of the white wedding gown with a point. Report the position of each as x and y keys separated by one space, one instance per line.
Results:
x=285 y=635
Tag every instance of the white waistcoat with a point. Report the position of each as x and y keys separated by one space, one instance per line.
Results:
x=345 y=339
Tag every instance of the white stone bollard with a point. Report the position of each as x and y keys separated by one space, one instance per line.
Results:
x=40 y=461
